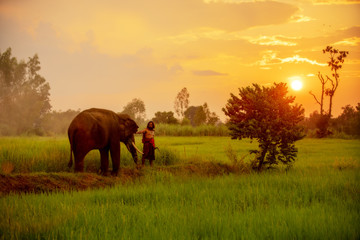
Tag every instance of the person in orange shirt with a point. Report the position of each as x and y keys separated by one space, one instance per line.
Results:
x=149 y=143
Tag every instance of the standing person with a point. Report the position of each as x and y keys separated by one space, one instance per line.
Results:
x=149 y=143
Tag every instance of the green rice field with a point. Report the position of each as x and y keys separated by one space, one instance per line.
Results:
x=317 y=198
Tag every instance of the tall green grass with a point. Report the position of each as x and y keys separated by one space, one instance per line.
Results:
x=316 y=199
x=51 y=154
x=296 y=205
x=188 y=130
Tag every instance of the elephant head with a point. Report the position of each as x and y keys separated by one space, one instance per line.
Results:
x=129 y=128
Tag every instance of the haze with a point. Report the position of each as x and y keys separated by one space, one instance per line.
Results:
x=104 y=54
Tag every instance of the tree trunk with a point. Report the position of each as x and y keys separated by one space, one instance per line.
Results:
x=262 y=157
x=330 y=105
x=322 y=99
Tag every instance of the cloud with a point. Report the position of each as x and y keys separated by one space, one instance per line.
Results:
x=124 y=27
x=353 y=41
x=270 y=58
x=334 y=2
x=298 y=59
x=315 y=2
x=272 y=40
x=207 y=73
x=346 y=37
x=301 y=18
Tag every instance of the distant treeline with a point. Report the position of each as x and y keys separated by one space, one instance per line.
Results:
x=346 y=125
x=57 y=123
x=25 y=109
x=188 y=130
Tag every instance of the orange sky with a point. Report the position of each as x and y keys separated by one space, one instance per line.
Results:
x=105 y=53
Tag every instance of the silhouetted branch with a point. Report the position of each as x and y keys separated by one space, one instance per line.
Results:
x=315 y=98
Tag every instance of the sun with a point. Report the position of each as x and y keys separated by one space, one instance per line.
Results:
x=296 y=83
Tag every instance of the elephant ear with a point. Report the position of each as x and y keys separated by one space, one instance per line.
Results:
x=128 y=124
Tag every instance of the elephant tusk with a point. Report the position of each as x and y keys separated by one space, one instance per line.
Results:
x=136 y=148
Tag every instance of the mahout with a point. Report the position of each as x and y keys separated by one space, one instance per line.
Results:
x=103 y=130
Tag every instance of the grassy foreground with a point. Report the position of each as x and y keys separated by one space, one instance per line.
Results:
x=317 y=199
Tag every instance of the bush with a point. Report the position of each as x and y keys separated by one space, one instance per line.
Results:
x=166 y=157
x=268 y=115
x=238 y=163
x=188 y=130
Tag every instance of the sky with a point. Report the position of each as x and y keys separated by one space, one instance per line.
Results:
x=106 y=53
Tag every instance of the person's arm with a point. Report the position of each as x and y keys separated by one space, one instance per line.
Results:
x=140 y=132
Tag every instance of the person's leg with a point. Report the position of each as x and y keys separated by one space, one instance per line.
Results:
x=151 y=154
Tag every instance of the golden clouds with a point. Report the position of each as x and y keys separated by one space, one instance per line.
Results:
x=353 y=41
x=209 y=46
x=270 y=58
x=335 y=2
x=273 y=40
x=301 y=18
x=298 y=59
x=132 y=25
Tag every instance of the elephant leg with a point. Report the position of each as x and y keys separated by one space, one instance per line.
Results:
x=115 y=157
x=79 y=160
x=104 y=154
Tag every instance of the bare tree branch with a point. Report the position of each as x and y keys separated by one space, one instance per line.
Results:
x=315 y=98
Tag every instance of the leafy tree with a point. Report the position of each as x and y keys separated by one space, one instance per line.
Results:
x=57 y=122
x=196 y=115
x=165 y=117
x=348 y=121
x=211 y=117
x=136 y=110
x=310 y=122
x=185 y=122
x=181 y=102
x=199 y=115
x=24 y=94
x=335 y=63
x=357 y=121
x=269 y=116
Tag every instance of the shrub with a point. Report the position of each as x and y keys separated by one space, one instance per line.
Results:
x=266 y=114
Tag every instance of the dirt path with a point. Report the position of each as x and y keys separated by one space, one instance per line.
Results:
x=49 y=182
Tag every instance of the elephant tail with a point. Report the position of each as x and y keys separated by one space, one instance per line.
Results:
x=71 y=157
x=71 y=149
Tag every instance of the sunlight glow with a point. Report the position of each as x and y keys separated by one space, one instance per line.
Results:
x=296 y=83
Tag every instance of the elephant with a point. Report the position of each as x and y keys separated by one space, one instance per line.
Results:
x=104 y=130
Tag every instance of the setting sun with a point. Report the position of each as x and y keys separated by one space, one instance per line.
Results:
x=296 y=83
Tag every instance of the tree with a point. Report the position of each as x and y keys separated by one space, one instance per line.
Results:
x=357 y=120
x=321 y=101
x=348 y=121
x=181 y=102
x=196 y=115
x=165 y=117
x=211 y=117
x=199 y=115
x=136 y=110
x=57 y=122
x=335 y=63
x=24 y=94
x=269 y=116
x=336 y=60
